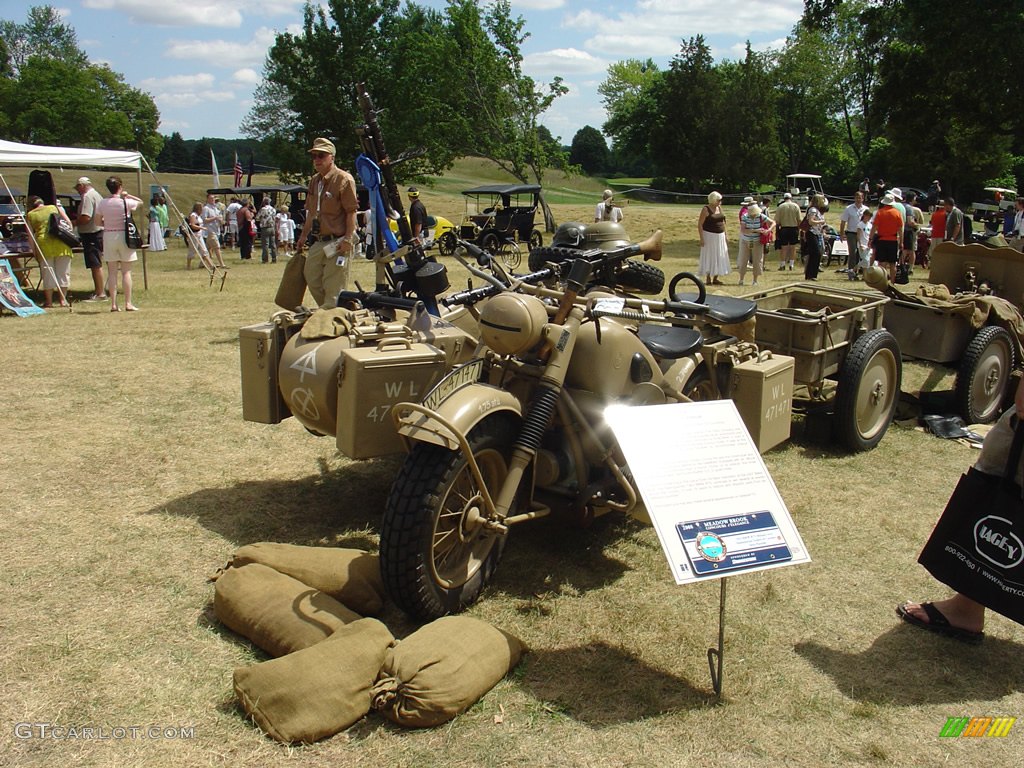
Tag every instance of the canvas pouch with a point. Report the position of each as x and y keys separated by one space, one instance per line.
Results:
x=350 y=576
x=276 y=612
x=315 y=693
x=442 y=669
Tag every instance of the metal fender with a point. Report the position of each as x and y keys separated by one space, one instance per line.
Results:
x=677 y=374
x=455 y=417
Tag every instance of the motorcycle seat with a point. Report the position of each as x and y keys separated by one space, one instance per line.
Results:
x=670 y=342
x=724 y=310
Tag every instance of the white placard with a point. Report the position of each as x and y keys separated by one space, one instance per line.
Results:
x=707 y=490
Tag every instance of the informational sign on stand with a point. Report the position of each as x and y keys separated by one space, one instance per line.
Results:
x=707 y=490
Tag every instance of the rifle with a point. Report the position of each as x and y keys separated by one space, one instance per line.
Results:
x=420 y=274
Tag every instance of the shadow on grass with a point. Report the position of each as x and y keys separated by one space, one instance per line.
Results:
x=333 y=507
x=601 y=685
x=552 y=555
x=906 y=666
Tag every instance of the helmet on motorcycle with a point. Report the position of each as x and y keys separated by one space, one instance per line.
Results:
x=511 y=323
x=606 y=235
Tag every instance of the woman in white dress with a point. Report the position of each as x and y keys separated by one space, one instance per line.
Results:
x=714 y=246
x=156 y=229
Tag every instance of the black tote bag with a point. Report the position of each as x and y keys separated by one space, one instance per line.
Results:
x=63 y=231
x=977 y=547
x=132 y=236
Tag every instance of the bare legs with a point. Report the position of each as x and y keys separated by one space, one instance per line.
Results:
x=126 y=284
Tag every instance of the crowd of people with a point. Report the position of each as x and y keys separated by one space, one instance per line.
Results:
x=887 y=236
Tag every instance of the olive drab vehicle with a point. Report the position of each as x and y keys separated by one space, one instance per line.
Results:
x=517 y=433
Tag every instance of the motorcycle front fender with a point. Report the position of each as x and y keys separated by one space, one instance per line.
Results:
x=448 y=425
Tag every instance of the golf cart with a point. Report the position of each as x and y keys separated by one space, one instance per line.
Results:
x=992 y=210
x=802 y=186
x=498 y=218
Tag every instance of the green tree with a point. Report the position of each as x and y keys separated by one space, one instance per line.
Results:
x=43 y=35
x=684 y=138
x=747 y=124
x=589 y=150
x=174 y=157
x=948 y=98
x=626 y=93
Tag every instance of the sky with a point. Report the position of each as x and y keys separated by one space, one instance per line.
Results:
x=201 y=61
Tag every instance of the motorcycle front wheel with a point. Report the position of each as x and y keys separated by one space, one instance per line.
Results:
x=436 y=554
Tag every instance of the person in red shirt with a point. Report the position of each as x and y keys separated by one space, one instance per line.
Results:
x=887 y=232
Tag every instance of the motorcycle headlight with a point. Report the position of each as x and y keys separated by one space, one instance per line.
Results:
x=512 y=323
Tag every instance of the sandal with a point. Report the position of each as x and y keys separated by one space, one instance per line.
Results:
x=115 y=309
x=939 y=624
x=131 y=308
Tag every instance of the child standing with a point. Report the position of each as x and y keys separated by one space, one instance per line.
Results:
x=285 y=230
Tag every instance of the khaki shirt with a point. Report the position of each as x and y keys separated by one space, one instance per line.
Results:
x=335 y=197
x=788 y=214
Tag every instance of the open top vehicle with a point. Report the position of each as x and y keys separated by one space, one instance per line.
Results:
x=802 y=186
x=498 y=218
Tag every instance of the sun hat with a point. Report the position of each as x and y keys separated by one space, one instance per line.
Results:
x=82 y=180
x=747 y=200
x=607 y=195
x=887 y=199
x=897 y=193
x=323 y=145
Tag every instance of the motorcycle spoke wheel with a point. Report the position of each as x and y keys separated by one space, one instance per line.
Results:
x=437 y=553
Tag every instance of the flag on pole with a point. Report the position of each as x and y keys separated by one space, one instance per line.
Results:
x=238 y=171
x=213 y=165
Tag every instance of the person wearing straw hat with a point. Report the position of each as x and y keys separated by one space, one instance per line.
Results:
x=330 y=226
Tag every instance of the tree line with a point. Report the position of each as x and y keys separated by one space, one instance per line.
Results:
x=50 y=93
x=908 y=90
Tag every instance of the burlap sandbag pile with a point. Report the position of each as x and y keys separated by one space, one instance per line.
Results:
x=300 y=605
x=443 y=669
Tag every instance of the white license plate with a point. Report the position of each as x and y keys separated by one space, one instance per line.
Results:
x=456 y=379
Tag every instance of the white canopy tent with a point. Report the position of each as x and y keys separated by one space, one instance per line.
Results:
x=13 y=153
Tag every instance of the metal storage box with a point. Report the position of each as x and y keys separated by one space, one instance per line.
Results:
x=371 y=381
x=814 y=325
x=928 y=333
x=762 y=389
x=260 y=347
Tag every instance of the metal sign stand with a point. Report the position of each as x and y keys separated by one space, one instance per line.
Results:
x=716 y=655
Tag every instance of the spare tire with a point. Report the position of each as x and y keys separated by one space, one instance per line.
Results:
x=640 y=277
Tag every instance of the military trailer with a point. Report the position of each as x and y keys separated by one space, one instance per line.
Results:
x=845 y=361
x=976 y=331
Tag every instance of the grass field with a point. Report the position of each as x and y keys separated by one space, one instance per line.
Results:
x=129 y=476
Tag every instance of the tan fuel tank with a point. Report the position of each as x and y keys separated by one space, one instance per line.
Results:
x=604 y=367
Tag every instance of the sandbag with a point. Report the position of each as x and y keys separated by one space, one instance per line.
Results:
x=350 y=576
x=292 y=289
x=276 y=612
x=312 y=694
x=442 y=669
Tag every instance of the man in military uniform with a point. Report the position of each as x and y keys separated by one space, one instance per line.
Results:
x=330 y=226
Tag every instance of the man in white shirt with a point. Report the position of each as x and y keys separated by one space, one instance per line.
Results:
x=1017 y=236
x=607 y=210
x=232 y=216
x=212 y=222
x=849 y=221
